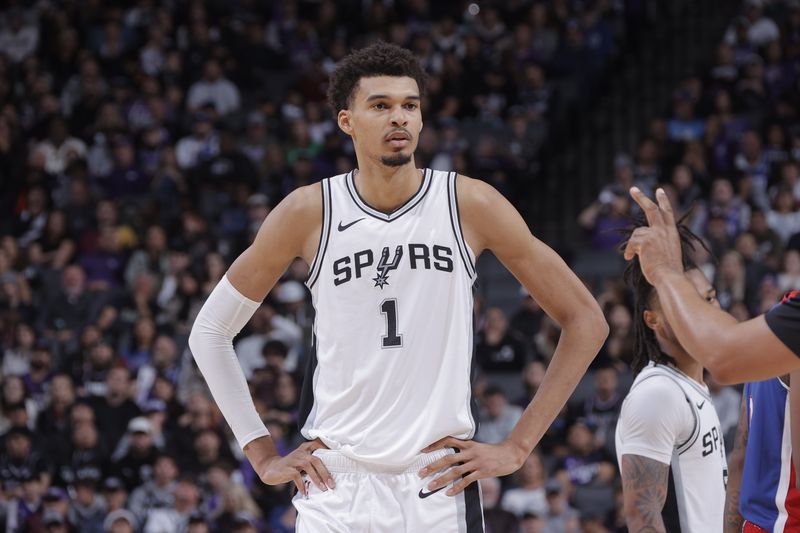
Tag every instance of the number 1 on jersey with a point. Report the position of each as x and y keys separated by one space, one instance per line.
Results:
x=391 y=339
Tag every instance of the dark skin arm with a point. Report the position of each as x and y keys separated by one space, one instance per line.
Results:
x=733 y=520
x=644 y=488
x=733 y=351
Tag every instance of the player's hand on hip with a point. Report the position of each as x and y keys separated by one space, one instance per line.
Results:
x=657 y=245
x=471 y=462
x=292 y=467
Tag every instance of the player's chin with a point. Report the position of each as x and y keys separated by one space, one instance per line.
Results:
x=397 y=159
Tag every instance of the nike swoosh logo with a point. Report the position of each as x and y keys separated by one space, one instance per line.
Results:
x=343 y=227
x=701 y=404
x=424 y=495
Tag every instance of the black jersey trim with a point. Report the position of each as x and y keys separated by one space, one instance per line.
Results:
x=670 y=513
x=306 y=402
x=455 y=223
x=324 y=235
x=473 y=508
x=407 y=206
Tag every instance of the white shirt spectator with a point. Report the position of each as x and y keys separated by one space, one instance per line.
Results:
x=57 y=157
x=20 y=44
x=784 y=224
x=521 y=501
x=222 y=92
x=191 y=150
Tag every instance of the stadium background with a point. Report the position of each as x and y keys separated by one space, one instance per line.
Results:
x=143 y=142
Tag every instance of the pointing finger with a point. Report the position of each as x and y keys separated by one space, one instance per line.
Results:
x=650 y=210
x=666 y=207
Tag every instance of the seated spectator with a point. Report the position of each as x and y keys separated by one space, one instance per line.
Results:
x=88 y=508
x=783 y=218
x=608 y=213
x=156 y=493
x=528 y=493
x=136 y=464
x=561 y=517
x=114 y=493
x=214 y=88
x=120 y=521
x=495 y=518
x=65 y=313
x=84 y=457
x=497 y=417
x=116 y=408
x=24 y=510
x=601 y=408
x=499 y=350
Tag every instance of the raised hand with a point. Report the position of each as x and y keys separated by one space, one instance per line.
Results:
x=658 y=245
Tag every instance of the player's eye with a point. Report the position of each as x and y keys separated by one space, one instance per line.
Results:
x=379 y=106
x=411 y=107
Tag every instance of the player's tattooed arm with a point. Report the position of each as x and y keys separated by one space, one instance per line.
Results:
x=644 y=487
x=733 y=520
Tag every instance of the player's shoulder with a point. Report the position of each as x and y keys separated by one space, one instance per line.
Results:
x=304 y=201
x=654 y=385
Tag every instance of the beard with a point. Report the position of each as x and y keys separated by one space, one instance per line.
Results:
x=396 y=160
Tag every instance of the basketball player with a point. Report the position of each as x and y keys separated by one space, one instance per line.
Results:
x=762 y=493
x=392 y=250
x=763 y=347
x=669 y=442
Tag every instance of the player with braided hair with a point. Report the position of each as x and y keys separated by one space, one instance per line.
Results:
x=669 y=441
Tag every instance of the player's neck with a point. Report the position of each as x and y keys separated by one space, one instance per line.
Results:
x=683 y=361
x=386 y=188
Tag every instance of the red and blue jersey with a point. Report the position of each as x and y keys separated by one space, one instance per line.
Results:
x=768 y=497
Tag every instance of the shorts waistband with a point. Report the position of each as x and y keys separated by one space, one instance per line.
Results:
x=337 y=462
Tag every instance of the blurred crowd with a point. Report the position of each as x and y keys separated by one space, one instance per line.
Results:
x=142 y=143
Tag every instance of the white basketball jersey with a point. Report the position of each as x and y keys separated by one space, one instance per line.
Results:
x=393 y=328
x=694 y=448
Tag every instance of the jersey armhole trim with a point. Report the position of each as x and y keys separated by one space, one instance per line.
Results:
x=455 y=222
x=324 y=234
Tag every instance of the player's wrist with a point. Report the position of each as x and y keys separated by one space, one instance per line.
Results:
x=519 y=451
x=665 y=274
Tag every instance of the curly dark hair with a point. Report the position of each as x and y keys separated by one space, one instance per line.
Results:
x=645 y=344
x=377 y=59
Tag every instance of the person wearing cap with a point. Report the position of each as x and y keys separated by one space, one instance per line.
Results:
x=115 y=494
x=560 y=516
x=120 y=521
x=134 y=464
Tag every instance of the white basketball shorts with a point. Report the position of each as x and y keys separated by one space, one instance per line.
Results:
x=372 y=499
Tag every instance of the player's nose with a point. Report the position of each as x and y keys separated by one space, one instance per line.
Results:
x=398 y=116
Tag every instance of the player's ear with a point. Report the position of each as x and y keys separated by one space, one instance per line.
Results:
x=651 y=319
x=343 y=118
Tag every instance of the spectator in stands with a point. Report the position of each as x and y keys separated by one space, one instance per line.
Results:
x=560 y=516
x=528 y=493
x=88 y=508
x=499 y=350
x=135 y=465
x=116 y=408
x=497 y=416
x=495 y=518
x=215 y=89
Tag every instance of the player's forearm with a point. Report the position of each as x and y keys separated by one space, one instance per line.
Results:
x=701 y=328
x=581 y=339
x=260 y=452
x=732 y=520
x=648 y=522
x=211 y=340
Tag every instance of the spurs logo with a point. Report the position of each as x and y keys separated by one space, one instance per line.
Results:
x=384 y=266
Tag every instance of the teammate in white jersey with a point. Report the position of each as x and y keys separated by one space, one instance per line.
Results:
x=669 y=443
x=392 y=248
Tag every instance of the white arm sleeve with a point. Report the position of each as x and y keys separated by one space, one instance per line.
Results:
x=654 y=419
x=223 y=315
